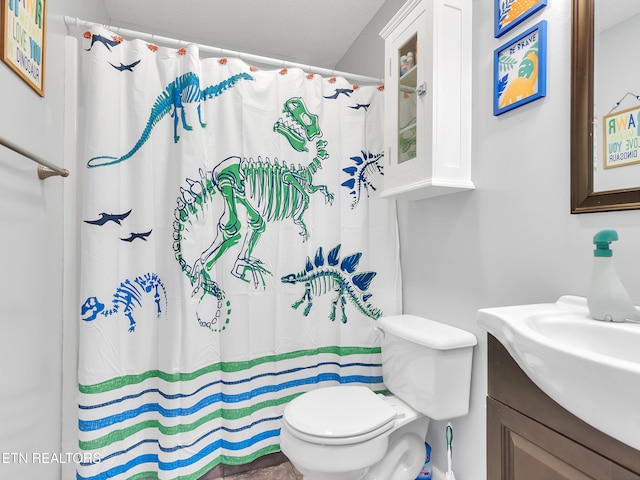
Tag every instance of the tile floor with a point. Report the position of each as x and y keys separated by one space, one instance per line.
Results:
x=270 y=467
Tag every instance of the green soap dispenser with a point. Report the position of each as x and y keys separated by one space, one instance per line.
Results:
x=608 y=300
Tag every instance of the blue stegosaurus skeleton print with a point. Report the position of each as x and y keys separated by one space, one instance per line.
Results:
x=362 y=174
x=325 y=275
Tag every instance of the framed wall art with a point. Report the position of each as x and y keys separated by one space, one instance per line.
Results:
x=621 y=138
x=520 y=70
x=22 y=39
x=509 y=13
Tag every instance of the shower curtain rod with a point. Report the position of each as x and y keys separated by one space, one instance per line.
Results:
x=248 y=57
x=45 y=169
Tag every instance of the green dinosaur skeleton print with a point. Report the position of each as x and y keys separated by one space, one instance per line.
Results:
x=268 y=191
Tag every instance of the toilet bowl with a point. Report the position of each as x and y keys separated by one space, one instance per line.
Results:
x=350 y=433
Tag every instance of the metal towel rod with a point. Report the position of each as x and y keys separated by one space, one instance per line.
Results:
x=45 y=169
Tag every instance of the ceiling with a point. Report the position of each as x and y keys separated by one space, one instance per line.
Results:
x=309 y=32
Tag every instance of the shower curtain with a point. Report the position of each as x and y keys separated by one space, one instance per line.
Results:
x=234 y=253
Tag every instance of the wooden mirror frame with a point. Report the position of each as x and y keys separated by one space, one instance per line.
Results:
x=583 y=198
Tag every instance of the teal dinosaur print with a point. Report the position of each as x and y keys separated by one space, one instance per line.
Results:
x=184 y=89
x=329 y=274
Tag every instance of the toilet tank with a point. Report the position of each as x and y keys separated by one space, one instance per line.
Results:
x=427 y=364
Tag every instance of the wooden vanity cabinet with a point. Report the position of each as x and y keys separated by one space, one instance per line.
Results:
x=531 y=437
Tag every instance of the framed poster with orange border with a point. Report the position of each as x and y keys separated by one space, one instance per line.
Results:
x=22 y=39
x=509 y=13
x=520 y=70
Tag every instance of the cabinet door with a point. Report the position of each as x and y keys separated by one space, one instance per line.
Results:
x=407 y=99
x=519 y=448
x=409 y=127
x=428 y=99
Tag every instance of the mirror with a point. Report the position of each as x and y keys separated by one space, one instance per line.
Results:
x=584 y=197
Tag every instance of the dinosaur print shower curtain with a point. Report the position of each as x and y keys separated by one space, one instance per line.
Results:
x=235 y=253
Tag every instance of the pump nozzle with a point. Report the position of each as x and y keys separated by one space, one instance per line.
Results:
x=602 y=240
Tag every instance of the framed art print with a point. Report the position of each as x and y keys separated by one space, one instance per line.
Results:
x=22 y=42
x=520 y=70
x=621 y=138
x=509 y=13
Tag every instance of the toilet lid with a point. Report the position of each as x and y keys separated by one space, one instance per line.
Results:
x=339 y=412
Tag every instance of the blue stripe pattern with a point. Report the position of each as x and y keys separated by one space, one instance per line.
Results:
x=90 y=425
x=167 y=466
x=223 y=382
x=171 y=457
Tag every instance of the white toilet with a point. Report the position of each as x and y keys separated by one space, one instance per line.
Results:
x=351 y=433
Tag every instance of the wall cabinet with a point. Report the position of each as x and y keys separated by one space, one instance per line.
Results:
x=428 y=99
x=531 y=437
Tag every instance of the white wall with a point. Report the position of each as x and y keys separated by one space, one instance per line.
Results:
x=513 y=239
x=32 y=264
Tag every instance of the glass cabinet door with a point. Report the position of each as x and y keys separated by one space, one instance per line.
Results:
x=407 y=99
x=427 y=99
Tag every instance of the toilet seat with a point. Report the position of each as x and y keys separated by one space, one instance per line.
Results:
x=339 y=415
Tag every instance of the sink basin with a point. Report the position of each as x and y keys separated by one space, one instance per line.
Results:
x=591 y=368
